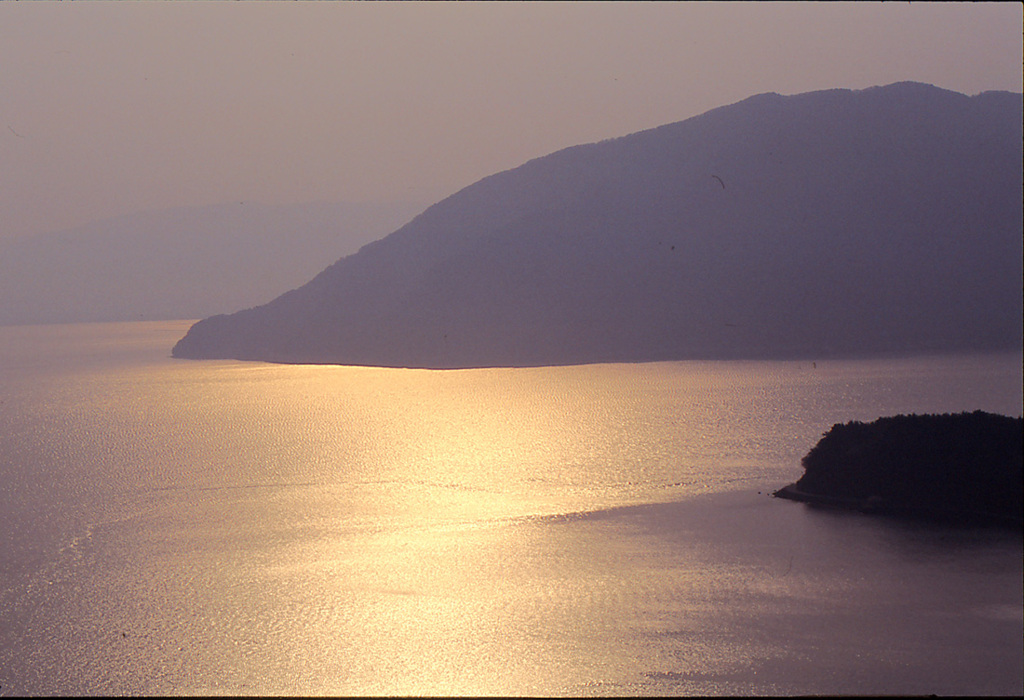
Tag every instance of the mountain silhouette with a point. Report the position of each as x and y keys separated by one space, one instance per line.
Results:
x=825 y=224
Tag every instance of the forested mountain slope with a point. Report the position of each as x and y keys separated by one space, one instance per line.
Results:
x=831 y=223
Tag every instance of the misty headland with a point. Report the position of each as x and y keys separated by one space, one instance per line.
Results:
x=180 y=263
x=825 y=224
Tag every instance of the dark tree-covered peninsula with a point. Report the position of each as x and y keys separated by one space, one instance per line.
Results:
x=960 y=468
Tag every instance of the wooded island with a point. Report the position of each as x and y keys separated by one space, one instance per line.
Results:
x=959 y=468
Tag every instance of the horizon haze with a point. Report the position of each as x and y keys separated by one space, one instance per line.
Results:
x=111 y=109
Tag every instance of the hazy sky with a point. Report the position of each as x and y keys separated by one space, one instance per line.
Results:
x=112 y=108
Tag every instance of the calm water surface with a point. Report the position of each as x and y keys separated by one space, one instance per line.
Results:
x=176 y=527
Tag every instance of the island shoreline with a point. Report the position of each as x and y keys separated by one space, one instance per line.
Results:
x=877 y=506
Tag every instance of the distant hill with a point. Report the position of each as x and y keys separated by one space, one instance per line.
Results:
x=181 y=263
x=831 y=223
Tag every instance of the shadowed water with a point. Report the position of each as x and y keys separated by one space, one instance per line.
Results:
x=173 y=527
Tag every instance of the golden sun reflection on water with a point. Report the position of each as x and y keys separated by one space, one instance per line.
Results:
x=247 y=528
x=466 y=444
x=487 y=609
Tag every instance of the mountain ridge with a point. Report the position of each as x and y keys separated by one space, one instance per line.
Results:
x=743 y=232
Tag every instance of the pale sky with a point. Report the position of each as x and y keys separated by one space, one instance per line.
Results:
x=112 y=108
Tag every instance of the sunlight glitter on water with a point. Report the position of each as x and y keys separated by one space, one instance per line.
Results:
x=244 y=528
